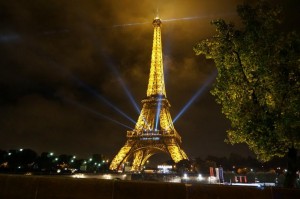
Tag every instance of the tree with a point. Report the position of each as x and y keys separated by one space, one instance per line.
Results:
x=183 y=166
x=95 y=162
x=21 y=160
x=3 y=160
x=258 y=82
x=28 y=158
x=3 y=155
x=45 y=162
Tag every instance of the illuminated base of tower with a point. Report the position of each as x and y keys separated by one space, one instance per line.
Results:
x=141 y=148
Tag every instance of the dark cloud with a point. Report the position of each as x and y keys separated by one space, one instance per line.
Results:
x=59 y=58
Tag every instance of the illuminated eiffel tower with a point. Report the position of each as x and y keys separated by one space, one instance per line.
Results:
x=154 y=131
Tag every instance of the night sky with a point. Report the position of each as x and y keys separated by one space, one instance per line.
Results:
x=63 y=62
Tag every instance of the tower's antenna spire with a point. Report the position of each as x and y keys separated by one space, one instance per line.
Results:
x=157 y=14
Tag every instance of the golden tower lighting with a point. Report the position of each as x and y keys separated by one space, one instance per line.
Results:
x=154 y=131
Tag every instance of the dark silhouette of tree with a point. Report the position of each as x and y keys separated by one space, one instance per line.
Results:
x=45 y=162
x=64 y=159
x=95 y=163
x=183 y=166
x=3 y=155
x=28 y=158
x=3 y=160
x=21 y=160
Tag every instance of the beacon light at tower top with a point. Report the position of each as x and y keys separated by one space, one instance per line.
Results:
x=189 y=18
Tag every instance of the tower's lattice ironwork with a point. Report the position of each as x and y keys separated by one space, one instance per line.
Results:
x=154 y=131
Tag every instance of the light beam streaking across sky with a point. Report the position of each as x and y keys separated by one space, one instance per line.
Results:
x=12 y=37
x=129 y=24
x=96 y=94
x=198 y=17
x=158 y=109
x=176 y=19
x=87 y=88
x=196 y=95
x=96 y=113
x=111 y=65
x=184 y=18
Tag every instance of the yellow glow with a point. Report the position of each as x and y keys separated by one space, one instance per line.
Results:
x=145 y=140
x=119 y=158
x=137 y=161
x=156 y=85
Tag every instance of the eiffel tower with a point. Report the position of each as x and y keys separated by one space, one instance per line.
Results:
x=154 y=131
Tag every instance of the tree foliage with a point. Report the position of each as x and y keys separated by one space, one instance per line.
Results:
x=257 y=85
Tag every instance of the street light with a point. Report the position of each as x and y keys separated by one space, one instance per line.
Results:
x=185 y=176
x=200 y=177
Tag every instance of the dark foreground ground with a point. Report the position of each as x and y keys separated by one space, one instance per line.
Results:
x=48 y=187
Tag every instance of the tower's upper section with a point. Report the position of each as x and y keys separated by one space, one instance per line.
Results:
x=156 y=85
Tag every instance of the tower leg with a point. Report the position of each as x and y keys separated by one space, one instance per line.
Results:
x=120 y=157
x=176 y=153
x=137 y=160
x=140 y=158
